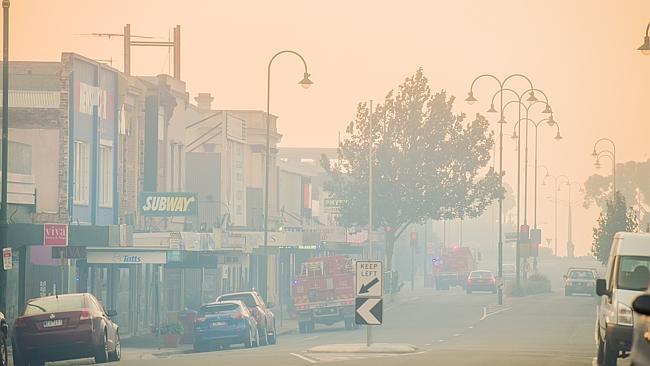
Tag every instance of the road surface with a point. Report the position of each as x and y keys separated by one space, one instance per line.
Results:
x=449 y=328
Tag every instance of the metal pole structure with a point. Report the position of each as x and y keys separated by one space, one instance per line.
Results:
x=556 y=189
x=305 y=82
x=370 y=253
x=470 y=98
x=595 y=154
x=424 y=252
x=5 y=147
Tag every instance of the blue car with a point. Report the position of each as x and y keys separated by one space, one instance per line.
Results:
x=223 y=324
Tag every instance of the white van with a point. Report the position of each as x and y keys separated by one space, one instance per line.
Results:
x=628 y=276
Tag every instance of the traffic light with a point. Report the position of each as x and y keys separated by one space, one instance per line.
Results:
x=414 y=239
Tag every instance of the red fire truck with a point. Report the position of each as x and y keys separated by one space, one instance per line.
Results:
x=451 y=266
x=323 y=292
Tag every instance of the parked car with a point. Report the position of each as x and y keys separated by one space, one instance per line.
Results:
x=640 y=353
x=580 y=281
x=65 y=327
x=627 y=277
x=264 y=317
x=223 y=324
x=481 y=281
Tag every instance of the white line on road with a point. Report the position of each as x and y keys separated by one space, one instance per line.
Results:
x=311 y=338
x=304 y=358
x=442 y=340
x=456 y=335
x=486 y=315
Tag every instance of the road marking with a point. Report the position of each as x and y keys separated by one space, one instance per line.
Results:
x=304 y=358
x=442 y=340
x=456 y=335
x=427 y=344
x=486 y=315
x=470 y=327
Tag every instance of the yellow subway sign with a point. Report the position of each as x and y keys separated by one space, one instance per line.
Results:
x=168 y=204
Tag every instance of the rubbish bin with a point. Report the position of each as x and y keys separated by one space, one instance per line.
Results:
x=187 y=318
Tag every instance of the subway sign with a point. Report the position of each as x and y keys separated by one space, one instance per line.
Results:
x=168 y=204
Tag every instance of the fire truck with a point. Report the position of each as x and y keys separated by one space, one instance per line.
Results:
x=323 y=292
x=451 y=266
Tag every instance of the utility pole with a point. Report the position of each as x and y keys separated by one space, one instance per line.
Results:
x=5 y=148
x=370 y=140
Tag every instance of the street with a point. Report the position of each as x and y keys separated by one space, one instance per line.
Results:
x=448 y=327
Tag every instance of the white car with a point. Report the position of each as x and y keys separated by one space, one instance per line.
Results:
x=627 y=277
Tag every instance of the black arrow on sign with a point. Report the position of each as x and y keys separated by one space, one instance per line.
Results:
x=366 y=288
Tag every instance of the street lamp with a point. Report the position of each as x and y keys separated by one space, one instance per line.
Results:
x=557 y=181
x=471 y=99
x=645 y=47
x=613 y=157
x=557 y=138
x=518 y=101
x=305 y=83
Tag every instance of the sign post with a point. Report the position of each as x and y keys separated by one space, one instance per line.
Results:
x=369 y=290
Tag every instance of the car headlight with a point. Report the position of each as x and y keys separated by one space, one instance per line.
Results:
x=625 y=315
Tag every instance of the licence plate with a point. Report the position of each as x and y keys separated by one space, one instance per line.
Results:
x=52 y=323
x=218 y=324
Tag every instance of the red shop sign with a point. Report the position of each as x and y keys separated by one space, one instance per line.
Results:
x=55 y=234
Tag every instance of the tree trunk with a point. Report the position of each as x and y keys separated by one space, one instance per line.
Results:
x=390 y=246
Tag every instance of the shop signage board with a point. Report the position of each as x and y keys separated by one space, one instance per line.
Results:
x=69 y=252
x=126 y=257
x=154 y=204
x=55 y=235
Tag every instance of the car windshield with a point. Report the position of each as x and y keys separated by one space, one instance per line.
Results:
x=247 y=299
x=481 y=274
x=214 y=309
x=54 y=305
x=582 y=275
x=633 y=273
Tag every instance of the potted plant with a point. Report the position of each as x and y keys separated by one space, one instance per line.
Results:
x=171 y=333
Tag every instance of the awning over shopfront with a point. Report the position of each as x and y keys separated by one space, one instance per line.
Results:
x=125 y=256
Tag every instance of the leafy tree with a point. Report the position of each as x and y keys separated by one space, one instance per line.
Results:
x=616 y=217
x=632 y=180
x=427 y=162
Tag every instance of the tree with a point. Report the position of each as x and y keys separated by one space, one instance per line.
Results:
x=427 y=163
x=632 y=180
x=614 y=218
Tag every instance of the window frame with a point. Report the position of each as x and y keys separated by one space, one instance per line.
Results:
x=81 y=173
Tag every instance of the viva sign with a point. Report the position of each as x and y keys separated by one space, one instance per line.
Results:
x=168 y=204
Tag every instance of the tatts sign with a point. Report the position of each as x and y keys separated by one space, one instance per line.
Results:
x=168 y=204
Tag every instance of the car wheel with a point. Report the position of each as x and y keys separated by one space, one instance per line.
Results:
x=601 y=351
x=264 y=337
x=610 y=354
x=273 y=338
x=116 y=355
x=198 y=347
x=101 y=355
x=250 y=342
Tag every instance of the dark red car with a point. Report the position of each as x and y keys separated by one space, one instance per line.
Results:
x=65 y=327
